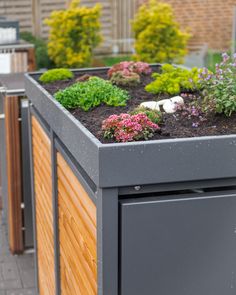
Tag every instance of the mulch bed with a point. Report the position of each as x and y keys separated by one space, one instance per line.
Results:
x=174 y=126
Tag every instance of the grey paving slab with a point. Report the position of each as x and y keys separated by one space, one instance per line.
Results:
x=25 y=262
x=21 y=292
x=11 y=284
x=27 y=278
x=16 y=272
x=10 y=271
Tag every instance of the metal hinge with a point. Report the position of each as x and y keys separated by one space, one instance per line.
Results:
x=3 y=89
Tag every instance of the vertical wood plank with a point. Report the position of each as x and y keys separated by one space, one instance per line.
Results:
x=31 y=60
x=77 y=234
x=44 y=209
x=13 y=151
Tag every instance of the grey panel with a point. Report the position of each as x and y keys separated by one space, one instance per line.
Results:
x=179 y=246
x=13 y=82
x=168 y=160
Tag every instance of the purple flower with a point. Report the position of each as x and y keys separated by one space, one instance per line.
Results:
x=225 y=57
x=208 y=77
x=219 y=72
x=195 y=125
x=205 y=71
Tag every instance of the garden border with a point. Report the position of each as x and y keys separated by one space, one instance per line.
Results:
x=135 y=163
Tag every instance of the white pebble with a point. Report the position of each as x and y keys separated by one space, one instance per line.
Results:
x=169 y=107
x=178 y=99
x=153 y=105
x=162 y=102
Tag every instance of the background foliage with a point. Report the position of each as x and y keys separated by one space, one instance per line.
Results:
x=158 y=36
x=41 y=53
x=74 y=33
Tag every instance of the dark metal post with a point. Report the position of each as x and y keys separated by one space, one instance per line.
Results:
x=107 y=235
x=28 y=224
x=33 y=201
x=55 y=213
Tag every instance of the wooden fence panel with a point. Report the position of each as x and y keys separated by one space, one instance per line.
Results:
x=19 y=10
x=46 y=8
x=116 y=15
x=44 y=209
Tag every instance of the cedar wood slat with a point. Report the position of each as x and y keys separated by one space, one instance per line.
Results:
x=13 y=154
x=77 y=234
x=44 y=209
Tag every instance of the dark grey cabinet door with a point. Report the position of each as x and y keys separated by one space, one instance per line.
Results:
x=178 y=246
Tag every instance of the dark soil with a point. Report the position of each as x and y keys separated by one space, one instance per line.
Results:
x=173 y=126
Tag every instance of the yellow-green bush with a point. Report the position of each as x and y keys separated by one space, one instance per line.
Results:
x=173 y=80
x=54 y=75
x=158 y=37
x=74 y=33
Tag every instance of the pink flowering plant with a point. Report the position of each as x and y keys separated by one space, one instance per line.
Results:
x=219 y=88
x=127 y=67
x=126 y=127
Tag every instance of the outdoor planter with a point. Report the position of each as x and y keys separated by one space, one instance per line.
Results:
x=143 y=218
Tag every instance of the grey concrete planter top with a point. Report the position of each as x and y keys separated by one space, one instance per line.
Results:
x=135 y=163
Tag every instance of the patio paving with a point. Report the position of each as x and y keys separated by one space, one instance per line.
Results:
x=16 y=272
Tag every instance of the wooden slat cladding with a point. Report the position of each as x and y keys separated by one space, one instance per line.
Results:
x=44 y=208
x=19 y=62
x=19 y=10
x=46 y=8
x=13 y=152
x=77 y=234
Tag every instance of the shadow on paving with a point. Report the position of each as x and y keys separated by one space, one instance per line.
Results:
x=16 y=272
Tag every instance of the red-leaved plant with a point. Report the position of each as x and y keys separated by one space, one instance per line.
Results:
x=126 y=127
x=127 y=67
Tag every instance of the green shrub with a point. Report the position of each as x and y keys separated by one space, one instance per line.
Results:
x=153 y=115
x=41 y=52
x=92 y=93
x=56 y=75
x=172 y=80
x=74 y=33
x=158 y=36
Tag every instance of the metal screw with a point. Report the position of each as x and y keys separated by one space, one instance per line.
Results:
x=137 y=188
